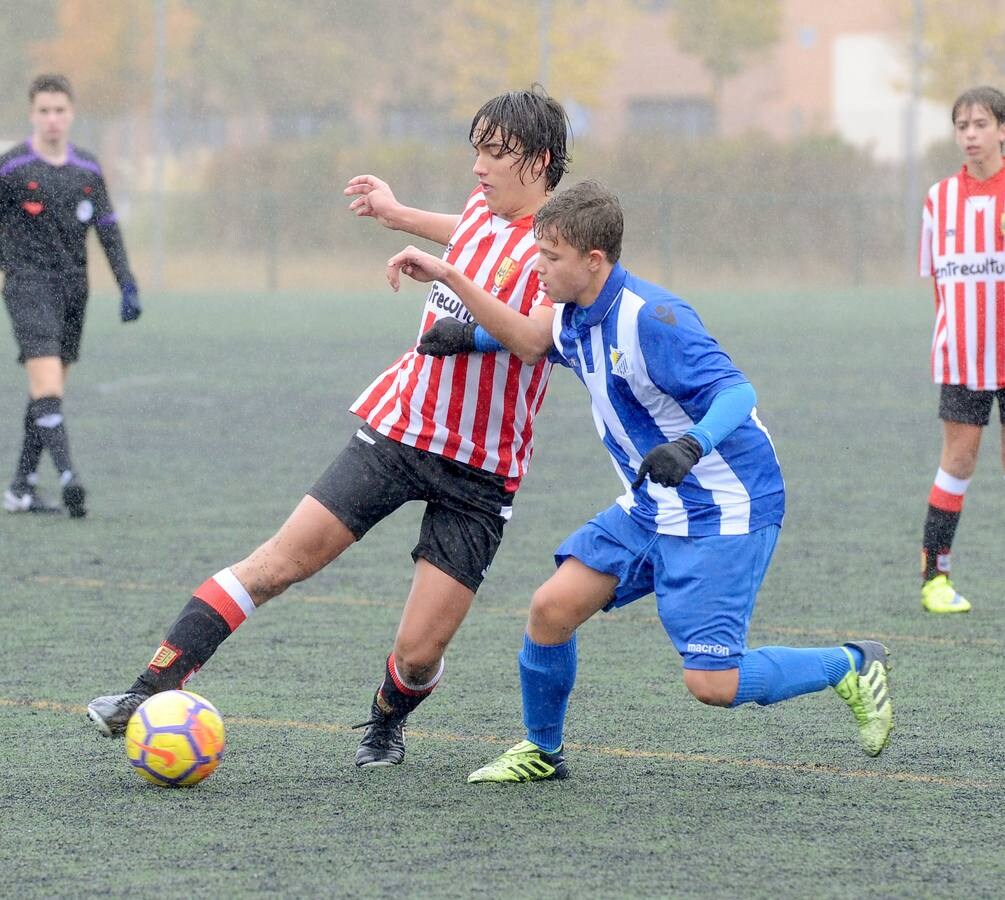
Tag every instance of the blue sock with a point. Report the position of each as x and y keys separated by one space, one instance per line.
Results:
x=547 y=674
x=771 y=674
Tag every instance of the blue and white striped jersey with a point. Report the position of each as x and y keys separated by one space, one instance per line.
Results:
x=652 y=371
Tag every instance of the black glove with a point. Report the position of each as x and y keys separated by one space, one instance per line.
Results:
x=668 y=464
x=447 y=337
x=130 y=309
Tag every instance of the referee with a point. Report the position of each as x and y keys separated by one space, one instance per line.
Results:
x=50 y=194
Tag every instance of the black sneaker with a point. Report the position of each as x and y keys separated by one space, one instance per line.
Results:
x=383 y=741
x=73 y=498
x=112 y=713
x=23 y=497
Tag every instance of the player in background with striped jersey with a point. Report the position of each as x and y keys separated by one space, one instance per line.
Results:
x=455 y=434
x=963 y=251
x=703 y=501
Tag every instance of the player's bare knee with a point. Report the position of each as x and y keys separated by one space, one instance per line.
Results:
x=270 y=570
x=548 y=616
x=709 y=688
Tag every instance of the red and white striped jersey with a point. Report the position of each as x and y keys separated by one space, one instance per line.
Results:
x=477 y=408
x=963 y=249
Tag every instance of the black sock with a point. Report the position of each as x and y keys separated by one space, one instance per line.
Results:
x=940 y=528
x=397 y=699
x=47 y=414
x=190 y=642
x=31 y=449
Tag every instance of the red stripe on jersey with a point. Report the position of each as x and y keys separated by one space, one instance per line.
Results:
x=213 y=595
x=982 y=338
x=941 y=499
x=510 y=395
x=456 y=408
x=379 y=389
x=940 y=226
x=538 y=388
x=486 y=379
x=960 y=314
x=960 y=242
x=1000 y=331
x=425 y=435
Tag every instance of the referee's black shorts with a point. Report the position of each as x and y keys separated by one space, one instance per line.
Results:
x=47 y=312
x=958 y=403
x=466 y=507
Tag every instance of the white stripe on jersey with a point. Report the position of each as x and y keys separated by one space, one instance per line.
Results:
x=486 y=419
x=963 y=249
x=712 y=472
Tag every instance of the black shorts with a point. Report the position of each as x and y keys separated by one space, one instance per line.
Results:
x=466 y=508
x=957 y=403
x=47 y=312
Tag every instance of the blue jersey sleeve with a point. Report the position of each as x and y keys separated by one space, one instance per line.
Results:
x=684 y=360
x=729 y=410
x=484 y=342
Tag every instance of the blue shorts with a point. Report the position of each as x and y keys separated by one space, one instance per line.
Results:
x=705 y=586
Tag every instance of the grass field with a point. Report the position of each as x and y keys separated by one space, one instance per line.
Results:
x=199 y=428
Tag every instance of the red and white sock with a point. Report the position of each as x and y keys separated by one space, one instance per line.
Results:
x=227 y=596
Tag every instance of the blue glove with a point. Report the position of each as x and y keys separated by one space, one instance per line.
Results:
x=130 y=309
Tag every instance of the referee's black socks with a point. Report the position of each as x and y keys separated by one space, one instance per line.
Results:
x=31 y=449
x=47 y=415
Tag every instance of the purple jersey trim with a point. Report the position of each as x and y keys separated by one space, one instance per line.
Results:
x=110 y=219
x=17 y=162
x=74 y=160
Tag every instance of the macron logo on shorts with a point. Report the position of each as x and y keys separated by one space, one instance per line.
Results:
x=709 y=649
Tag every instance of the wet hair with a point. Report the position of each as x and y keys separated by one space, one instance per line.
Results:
x=529 y=123
x=587 y=216
x=992 y=99
x=50 y=84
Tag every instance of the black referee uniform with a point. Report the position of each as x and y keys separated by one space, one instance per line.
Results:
x=45 y=213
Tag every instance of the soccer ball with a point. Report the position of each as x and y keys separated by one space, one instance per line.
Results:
x=175 y=739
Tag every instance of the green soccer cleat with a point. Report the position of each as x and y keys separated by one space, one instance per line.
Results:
x=524 y=762
x=939 y=596
x=868 y=694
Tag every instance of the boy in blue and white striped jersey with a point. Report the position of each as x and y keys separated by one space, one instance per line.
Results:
x=703 y=501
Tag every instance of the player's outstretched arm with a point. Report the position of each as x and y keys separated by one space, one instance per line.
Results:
x=529 y=337
x=374 y=198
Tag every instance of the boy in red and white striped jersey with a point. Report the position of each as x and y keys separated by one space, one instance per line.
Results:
x=963 y=250
x=454 y=433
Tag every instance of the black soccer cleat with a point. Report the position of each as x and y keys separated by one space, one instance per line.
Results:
x=112 y=713
x=22 y=497
x=383 y=741
x=73 y=498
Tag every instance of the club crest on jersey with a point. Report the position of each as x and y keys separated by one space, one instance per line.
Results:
x=1001 y=224
x=165 y=655
x=620 y=364
x=506 y=270
x=85 y=210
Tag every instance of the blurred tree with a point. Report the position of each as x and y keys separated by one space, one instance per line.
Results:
x=725 y=34
x=105 y=47
x=486 y=47
x=963 y=45
x=261 y=56
x=20 y=25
